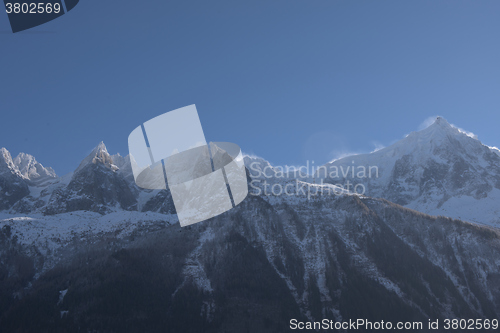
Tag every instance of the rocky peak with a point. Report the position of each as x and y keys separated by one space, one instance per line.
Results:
x=99 y=155
x=31 y=169
x=6 y=163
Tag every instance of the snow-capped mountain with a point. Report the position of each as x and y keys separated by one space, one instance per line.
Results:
x=32 y=170
x=98 y=156
x=92 y=251
x=440 y=170
x=111 y=193
x=28 y=187
x=19 y=178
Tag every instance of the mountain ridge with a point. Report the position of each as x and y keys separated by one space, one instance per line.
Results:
x=440 y=170
x=122 y=263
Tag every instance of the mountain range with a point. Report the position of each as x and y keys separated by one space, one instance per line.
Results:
x=90 y=251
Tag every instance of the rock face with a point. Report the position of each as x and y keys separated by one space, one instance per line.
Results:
x=440 y=171
x=95 y=185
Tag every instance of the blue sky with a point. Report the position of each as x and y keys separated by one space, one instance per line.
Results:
x=287 y=80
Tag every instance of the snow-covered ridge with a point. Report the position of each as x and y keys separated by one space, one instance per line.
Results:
x=51 y=233
x=102 y=183
x=25 y=166
x=439 y=170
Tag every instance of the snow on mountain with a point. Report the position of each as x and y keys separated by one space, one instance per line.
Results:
x=25 y=166
x=123 y=163
x=50 y=233
x=258 y=167
x=102 y=183
x=22 y=181
x=32 y=170
x=328 y=257
x=99 y=155
x=95 y=185
x=7 y=165
x=440 y=170
x=13 y=185
x=263 y=176
x=315 y=256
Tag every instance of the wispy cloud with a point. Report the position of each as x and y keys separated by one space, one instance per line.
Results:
x=339 y=154
x=469 y=134
x=251 y=155
x=377 y=146
x=495 y=149
x=427 y=122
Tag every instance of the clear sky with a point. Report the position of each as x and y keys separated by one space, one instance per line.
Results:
x=287 y=80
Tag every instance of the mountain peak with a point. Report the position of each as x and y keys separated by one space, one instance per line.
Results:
x=442 y=124
x=439 y=130
x=99 y=155
x=30 y=168
x=5 y=154
x=25 y=166
x=6 y=163
x=101 y=146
